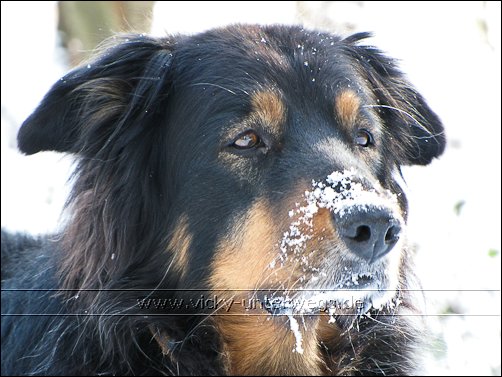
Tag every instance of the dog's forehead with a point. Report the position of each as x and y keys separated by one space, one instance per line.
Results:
x=252 y=57
x=274 y=70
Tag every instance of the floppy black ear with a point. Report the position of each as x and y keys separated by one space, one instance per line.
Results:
x=88 y=108
x=415 y=128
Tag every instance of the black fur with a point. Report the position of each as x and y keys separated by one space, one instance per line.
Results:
x=147 y=120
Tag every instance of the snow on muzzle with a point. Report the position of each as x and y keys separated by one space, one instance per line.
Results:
x=366 y=220
x=366 y=224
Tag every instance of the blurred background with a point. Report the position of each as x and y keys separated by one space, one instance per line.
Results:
x=451 y=51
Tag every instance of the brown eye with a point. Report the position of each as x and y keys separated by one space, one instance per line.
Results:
x=247 y=140
x=364 y=138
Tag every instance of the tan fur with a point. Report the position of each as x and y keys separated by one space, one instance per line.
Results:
x=254 y=342
x=241 y=261
x=269 y=108
x=260 y=345
x=180 y=245
x=347 y=106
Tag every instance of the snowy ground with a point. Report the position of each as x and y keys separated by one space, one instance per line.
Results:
x=451 y=53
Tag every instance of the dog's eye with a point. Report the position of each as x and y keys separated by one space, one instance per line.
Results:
x=247 y=140
x=364 y=138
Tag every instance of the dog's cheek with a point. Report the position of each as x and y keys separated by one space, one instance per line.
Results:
x=240 y=266
x=242 y=258
x=179 y=246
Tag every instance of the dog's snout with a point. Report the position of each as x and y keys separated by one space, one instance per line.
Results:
x=369 y=232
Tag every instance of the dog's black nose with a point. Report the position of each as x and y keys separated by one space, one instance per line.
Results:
x=369 y=232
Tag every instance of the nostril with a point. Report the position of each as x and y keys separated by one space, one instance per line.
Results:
x=392 y=234
x=363 y=233
x=370 y=233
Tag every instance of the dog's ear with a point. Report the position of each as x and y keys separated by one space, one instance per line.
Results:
x=88 y=109
x=417 y=131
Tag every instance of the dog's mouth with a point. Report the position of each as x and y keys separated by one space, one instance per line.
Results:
x=352 y=297
x=356 y=293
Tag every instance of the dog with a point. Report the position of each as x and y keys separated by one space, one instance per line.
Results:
x=237 y=208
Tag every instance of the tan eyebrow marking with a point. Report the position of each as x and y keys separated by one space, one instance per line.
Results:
x=269 y=108
x=347 y=106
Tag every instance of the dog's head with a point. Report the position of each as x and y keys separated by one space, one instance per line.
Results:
x=245 y=159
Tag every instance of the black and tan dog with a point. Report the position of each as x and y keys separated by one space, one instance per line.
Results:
x=236 y=209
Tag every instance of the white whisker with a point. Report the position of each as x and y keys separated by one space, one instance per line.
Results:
x=217 y=86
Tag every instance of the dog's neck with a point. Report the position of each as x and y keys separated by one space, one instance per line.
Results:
x=264 y=345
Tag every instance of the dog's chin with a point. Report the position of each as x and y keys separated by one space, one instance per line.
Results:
x=354 y=292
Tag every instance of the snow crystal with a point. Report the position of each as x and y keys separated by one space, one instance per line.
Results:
x=295 y=327
x=331 y=312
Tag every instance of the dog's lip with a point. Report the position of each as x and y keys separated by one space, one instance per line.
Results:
x=363 y=289
x=362 y=280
